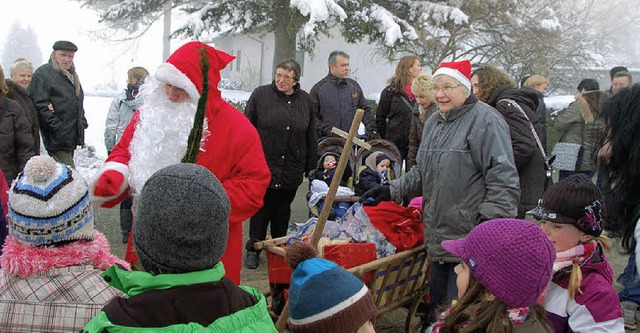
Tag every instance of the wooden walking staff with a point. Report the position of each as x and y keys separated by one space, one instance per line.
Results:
x=350 y=137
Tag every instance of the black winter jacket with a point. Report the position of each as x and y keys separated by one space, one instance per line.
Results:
x=21 y=96
x=418 y=118
x=287 y=132
x=368 y=179
x=63 y=127
x=335 y=102
x=393 y=116
x=526 y=154
x=15 y=139
x=539 y=116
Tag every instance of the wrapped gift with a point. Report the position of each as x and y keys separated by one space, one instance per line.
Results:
x=346 y=255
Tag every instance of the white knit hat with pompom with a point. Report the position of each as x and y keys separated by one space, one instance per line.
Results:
x=49 y=203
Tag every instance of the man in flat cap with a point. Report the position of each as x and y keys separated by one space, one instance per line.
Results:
x=58 y=97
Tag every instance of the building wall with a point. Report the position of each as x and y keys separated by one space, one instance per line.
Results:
x=256 y=54
x=252 y=66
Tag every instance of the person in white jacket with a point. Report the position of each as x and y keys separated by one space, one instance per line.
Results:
x=118 y=118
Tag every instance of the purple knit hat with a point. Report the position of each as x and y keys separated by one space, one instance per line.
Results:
x=512 y=258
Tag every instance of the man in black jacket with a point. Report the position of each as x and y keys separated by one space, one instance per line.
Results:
x=58 y=97
x=337 y=97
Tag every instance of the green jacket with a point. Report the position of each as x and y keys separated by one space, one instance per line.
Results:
x=582 y=123
x=254 y=318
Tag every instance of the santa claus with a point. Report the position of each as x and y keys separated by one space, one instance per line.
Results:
x=183 y=118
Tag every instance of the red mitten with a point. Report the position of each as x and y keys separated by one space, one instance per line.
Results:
x=111 y=186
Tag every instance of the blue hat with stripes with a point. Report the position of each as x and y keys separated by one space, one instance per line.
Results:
x=49 y=203
x=323 y=297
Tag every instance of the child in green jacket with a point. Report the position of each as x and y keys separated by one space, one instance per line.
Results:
x=180 y=234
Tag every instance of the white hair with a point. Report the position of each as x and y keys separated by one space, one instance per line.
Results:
x=161 y=135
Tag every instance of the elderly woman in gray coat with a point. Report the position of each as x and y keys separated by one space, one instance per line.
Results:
x=465 y=173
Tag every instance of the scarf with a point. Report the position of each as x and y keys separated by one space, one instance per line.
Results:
x=70 y=74
x=23 y=260
x=132 y=90
x=576 y=254
x=407 y=90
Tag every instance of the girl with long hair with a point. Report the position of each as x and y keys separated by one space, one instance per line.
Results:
x=506 y=266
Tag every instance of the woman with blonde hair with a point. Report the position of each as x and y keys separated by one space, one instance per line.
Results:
x=397 y=101
x=425 y=107
x=21 y=71
x=16 y=142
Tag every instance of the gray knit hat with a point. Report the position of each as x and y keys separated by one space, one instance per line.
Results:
x=181 y=224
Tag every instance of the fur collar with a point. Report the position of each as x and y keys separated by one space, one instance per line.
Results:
x=590 y=104
x=23 y=260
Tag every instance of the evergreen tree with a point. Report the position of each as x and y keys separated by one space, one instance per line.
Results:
x=547 y=37
x=20 y=43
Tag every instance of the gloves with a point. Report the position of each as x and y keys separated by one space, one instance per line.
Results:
x=373 y=196
x=110 y=188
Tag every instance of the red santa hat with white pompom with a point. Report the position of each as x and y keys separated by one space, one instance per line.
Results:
x=195 y=67
x=459 y=70
x=184 y=68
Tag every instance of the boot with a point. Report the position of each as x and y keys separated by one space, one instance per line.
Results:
x=251 y=260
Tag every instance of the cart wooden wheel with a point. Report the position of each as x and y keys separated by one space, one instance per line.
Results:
x=417 y=312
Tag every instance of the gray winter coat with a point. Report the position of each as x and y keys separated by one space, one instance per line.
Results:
x=465 y=173
x=118 y=118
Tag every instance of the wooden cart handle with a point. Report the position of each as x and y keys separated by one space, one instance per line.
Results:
x=281 y=324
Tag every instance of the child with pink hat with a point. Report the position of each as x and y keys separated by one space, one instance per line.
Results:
x=506 y=266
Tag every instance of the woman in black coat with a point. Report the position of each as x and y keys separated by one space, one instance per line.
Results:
x=393 y=115
x=21 y=71
x=495 y=88
x=282 y=114
x=16 y=142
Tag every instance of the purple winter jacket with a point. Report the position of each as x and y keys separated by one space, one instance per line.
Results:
x=596 y=309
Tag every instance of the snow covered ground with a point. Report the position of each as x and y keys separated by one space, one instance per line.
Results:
x=559 y=102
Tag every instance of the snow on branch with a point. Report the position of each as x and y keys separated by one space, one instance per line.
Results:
x=391 y=26
x=441 y=14
x=318 y=11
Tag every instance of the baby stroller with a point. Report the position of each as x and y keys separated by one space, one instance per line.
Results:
x=333 y=146
x=383 y=146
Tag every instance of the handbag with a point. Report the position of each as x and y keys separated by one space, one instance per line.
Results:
x=548 y=168
x=568 y=156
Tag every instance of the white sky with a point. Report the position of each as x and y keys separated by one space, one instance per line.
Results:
x=97 y=60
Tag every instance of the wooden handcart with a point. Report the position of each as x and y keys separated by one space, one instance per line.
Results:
x=395 y=281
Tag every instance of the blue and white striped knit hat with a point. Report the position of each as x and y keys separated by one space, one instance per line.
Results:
x=323 y=297
x=49 y=203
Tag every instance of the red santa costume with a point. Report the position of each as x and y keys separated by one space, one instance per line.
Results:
x=158 y=133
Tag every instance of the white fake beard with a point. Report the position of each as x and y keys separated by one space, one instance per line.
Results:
x=161 y=135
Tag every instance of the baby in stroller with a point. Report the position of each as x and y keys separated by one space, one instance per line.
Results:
x=325 y=173
x=378 y=165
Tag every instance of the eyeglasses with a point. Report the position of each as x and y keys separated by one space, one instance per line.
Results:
x=445 y=88
x=283 y=76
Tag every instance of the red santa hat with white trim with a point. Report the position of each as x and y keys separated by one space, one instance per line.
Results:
x=184 y=67
x=459 y=70
x=195 y=67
